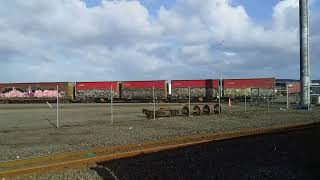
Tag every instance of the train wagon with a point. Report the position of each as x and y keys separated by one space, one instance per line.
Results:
x=200 y=90
x=293 y=86
x=35 y=92
x=248 y=87
x=96 y=91
x=143 y=90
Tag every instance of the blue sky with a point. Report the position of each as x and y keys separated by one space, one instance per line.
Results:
x=152 y=5
x=92 y=3
x=259 y=10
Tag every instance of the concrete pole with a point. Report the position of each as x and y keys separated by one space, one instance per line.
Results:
x=309 y=102
x=304 y=54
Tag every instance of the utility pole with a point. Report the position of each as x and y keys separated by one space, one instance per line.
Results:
x=304 y=54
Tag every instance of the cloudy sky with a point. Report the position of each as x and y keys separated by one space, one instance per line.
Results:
x=94 y=40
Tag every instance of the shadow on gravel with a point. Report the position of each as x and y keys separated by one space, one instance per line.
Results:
x=103 y=172
x=293 y=155
x=52 y=124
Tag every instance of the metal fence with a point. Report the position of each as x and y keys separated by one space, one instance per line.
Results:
x=56 y=124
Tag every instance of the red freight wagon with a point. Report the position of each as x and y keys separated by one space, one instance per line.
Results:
x=194 y=84
x=263 y=83
x=294 y=88
x=143 y=84
x=199 y=89
x=35 y=92
x=242 y=87
x=143 y=90
x=45 y=85
x=96 y=91
x=97 y=85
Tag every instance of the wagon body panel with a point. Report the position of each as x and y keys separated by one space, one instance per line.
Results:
x=96 y=91
x=143 y=90
x=294 y=88
x=204 y=89
x=245 y=87
x=31 y=92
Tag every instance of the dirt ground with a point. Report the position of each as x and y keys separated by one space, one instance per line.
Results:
x=28 y=130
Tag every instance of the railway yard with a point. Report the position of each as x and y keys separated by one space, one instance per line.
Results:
x=28 y=130
x=121 y=90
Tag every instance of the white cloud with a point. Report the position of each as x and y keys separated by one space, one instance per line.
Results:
x=64 y=40
x=285 y=15
x=230 y=54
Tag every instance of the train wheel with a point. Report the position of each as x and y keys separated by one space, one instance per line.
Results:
x=206 y=110
x=185 y=111
x=196 y=111
x=216 y=109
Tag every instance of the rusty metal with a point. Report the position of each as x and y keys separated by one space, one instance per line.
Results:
x=197 y=110
x=79 y=159
x=185 y=111
x=162 y=112
x=211 y=109
x=206 y=109
x=217 y=109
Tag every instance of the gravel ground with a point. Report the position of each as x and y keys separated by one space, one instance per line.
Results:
x=83 y=173
x=290 y=155
x=25 y=131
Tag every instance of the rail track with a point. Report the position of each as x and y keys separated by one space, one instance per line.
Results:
x=94 y=156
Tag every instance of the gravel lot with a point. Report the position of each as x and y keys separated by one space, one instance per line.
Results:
x=25 y=130
x=83 y=173
x=287 y=155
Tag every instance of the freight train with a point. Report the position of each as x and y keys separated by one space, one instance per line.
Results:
x=136 y=91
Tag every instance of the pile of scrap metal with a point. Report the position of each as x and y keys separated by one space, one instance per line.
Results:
x=162 y=112
x=196 y=110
